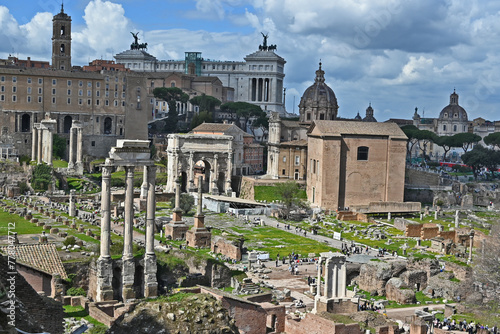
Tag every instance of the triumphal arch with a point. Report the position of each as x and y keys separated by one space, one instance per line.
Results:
x=194 y=155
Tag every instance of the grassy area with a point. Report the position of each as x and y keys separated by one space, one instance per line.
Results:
x=269 y=194
x=176 y=297
x=79 y=312
x=59 y=164
x=22 y=226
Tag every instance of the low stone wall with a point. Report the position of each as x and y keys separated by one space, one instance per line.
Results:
x=313 y=323
x=231 y=249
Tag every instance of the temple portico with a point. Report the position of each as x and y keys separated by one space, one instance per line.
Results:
x=127 y=154
x=42 y=137
x=332 y=267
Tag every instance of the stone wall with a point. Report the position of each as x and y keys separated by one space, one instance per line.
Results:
x=413 y=230
x=417 y=177
x=231 y=249
x=315 y=324
x=373 y=276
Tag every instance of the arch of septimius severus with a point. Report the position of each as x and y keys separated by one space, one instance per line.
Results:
x=216 y=153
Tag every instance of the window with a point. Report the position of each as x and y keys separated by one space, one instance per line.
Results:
x=454 y=128
x=29 y=90
x=14 y=79
x=98 y=93
x=80 y=83
x=308 y=116
x=89 y=93
x=93 y=143
x=40 y=81
x=363 y=153
x=39 y=90
x=314 y=166
x=444 y=127
x=284 y=158
x=283 y=172
x=80 y=92
x=89 y=83
x=115 y=103
x=106 y=94
x=80 y=101
x=69 y=91
x=69 y=82
x=69 y=100
x=2 y=97
x=54 y=100
x=89 y=102
x=106 y=102
x=53 y=91
x=97 y=119
x=98 y=84
x=39 y=99
x=107 y=86
x=14 y=98
x=97 y=102
x=29 y=80
x=14 y=89
x=2 y=89
x=2 y=78
x=54 y=81
x=28 y=99
x=297 y=160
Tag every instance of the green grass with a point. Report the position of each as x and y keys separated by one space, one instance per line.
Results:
x=22 y=226
x=79 y=312
x=75 y=183
x=268 y=193
x=177 y=297
x=59 y=164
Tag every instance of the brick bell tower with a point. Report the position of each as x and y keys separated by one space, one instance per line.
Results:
x=61 y=41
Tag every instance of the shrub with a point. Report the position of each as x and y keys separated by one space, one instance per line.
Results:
x=42 y=177
x=76 y=292
x=69 y=241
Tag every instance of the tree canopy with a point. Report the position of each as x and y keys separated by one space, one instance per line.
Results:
x=205 y=102
x=246 y=111
x=59 y=147
x=493 y=139
x=171 y=95
x=186 y=202
x=447 y=143
x=466 y=140
x=202 y=117
x=291 y=195
x=480 y=157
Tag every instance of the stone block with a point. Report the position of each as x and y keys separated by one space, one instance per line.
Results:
x=54 y=230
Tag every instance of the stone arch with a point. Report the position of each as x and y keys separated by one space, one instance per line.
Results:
x=108 y=125
x=25 y=123
x=68 y=121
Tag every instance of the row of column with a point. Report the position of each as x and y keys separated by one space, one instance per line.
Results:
x=79 y=145
x=334 y=277
x=104 y=263
x=42 y=140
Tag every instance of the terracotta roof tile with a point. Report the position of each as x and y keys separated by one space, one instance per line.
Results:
x=43 y=257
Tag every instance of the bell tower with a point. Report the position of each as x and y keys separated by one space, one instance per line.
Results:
x=61 y=41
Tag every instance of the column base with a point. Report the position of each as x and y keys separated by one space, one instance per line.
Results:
x=128 y=275
x=104 y=289
x=199 y=237
x=176 y=230
x=150 y=283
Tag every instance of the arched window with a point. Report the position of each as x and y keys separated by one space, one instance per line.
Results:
x=362 y=153
x=444 y=127
x=108 y=125
x=455 y=128
x=25 y=123
x=67 y=124
x=62 y=48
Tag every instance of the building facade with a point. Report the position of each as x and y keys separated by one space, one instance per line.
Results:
x=258 y=79
x=355 y=163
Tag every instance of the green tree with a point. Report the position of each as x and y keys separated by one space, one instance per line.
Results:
x=466 y=140
x=186 y=202
x=475 y=159
x=447 y=143
x=202 y=117
x=425 y=137
x=290 y=194
x=245 y=111
x=205 y=102
x=171 y=95
x=59 y=147
x=493 y=139
x=41 y=177
x=410 y=132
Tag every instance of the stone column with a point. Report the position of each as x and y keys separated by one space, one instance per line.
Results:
x=177 y=213
x=214 y=177
x=191 y=187
x=471 y=244
x=456 y=219
x=199 y=211
x=50 y=147
x=104 y=263
x=79 y=146
x=229 y=172
x=72 y=208
x=335 y=280
x=342 y=280
x=328 y=276
x=71 y=160
x=39 y=145
x=318 y=283
x=144 y=186
x=33 y=144
x=150 y=283
x=128 y=257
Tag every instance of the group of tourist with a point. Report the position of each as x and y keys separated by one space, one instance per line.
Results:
x=353 y=249
x=470 y=327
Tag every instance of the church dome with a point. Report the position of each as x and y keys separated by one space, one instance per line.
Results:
x=318 y=101
x=453 y=110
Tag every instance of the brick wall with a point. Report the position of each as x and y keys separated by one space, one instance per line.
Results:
x=314 y=324
x=429 y=232
x=38 y=280
x=413 y=230
x=227 y=248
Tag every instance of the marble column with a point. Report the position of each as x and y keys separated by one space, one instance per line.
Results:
x=79 y=146
x=71 y=160
x=342 y=280
x=328 y=276
x=456 y=219
x=104 y=263
x=128 y=256
x=471 y=244
x=229 y=172
x=144 y=185
x=335 y=281
x=191 y=187
x=318 y=283
x=215 y=190
x=50 y=146
x=34 y=143
x=150 y=283
x=39 y=145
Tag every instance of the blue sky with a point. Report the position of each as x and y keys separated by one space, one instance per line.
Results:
x=396 y=54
